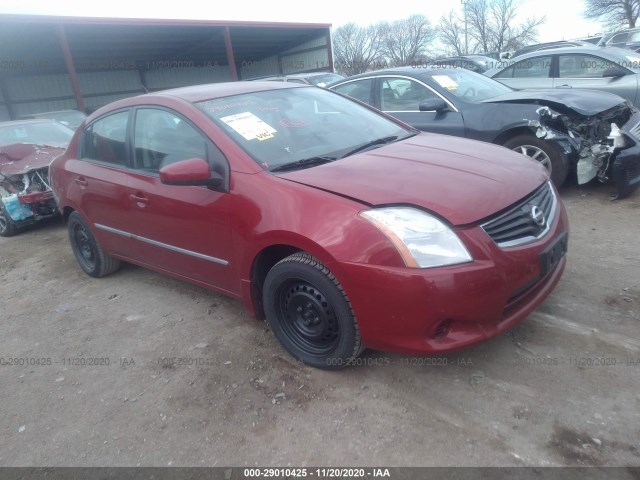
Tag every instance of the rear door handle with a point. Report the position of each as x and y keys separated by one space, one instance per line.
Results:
x=81 y=181
x=564 y=86
x=139 y=198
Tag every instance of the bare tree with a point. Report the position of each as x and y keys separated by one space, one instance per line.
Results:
x=493 y=25
x=356 y=48
x=478 y=19
x=614 y=13
x=507 y=35
x=406 y=41
x=451 y=33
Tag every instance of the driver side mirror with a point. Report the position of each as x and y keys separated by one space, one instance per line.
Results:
x=614 y=72
x=193 y=171
x=433 y=105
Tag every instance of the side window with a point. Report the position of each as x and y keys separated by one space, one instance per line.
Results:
x=162 y=138
x=358 y=89
x=583 y=66
x=104 y=140
x=506 y=73
x=619 y=38
x=537 y=67
x=403 y=95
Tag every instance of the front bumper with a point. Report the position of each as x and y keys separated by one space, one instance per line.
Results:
x=30 y=207
x=430 y=311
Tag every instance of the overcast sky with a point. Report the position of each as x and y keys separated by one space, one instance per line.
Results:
x=564 y=17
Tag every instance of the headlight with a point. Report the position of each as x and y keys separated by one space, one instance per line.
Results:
x=421 y=239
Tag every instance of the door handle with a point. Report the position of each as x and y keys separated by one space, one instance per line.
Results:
x=81 y=181
x=139 y=198
x=564 y=86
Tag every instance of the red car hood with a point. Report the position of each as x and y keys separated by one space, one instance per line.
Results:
x=462 y=180
x=20 y=158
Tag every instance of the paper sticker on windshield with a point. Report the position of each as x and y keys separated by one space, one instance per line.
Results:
x=446 y=82
x=249 y=126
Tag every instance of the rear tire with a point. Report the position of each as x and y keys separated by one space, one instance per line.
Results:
x=90 y=256
x=8 y=227
x=548 y=154
x=310 y=313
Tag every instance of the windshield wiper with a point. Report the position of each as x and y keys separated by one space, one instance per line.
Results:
x=373 y=143
x=305 y=162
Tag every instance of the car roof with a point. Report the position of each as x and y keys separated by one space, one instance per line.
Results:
x=417 y=72
x=27 y=121
x=199 y=93
x=588 y=50
x=57 y=111
x=309 y=74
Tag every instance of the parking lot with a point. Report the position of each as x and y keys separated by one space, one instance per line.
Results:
x=141 y=369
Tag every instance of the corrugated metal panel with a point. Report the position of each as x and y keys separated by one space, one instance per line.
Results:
x=109 y=81
x=91 y=103
x=182 y=77
x=36 y=87
x=304 y=62
x=20 y=109
x=318 y=42
x=262 y=68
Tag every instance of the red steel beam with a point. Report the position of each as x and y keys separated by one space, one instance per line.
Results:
x=71 y=69
x=231 y=60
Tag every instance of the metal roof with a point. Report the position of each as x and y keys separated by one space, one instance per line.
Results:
x=114 y=43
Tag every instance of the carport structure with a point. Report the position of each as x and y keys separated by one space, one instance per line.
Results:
x=55 y=63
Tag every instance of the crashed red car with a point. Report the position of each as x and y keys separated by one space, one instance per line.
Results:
x=26 y=149
x=344 y=227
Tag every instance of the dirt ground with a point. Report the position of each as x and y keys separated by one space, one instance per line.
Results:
x=100 y=387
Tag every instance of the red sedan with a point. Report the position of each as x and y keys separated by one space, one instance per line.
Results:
x=343 y=226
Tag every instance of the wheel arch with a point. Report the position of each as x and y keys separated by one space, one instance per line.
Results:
x=507 y=135
x=66 y=212
x=267 y=255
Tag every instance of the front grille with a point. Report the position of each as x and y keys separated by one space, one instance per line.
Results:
x=529 y=220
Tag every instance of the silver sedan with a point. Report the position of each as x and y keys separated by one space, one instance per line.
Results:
x=611 y=69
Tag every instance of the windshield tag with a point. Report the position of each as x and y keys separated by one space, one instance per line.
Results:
x=249 y=126
x=446 y=82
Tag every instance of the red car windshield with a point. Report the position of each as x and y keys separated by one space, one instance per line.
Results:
x=278 y=127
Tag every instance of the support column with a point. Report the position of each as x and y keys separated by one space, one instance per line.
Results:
x=230 y=58
x=331 y=67
x=71 y=69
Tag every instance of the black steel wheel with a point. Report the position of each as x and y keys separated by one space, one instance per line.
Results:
x=310 y=314
x=90 y=256
x=8 y=227
x=547 y=153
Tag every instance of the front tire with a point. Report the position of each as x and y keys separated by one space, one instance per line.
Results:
x=548 y=154
x=8 y=227
x=90 y=256
x=310 y=313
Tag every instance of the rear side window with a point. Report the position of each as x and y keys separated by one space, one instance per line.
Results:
x=104 y=140
x=583 y=66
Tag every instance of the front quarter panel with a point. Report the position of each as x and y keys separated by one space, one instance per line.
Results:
x=324 y=224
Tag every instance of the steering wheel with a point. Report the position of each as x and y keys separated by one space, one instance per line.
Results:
x=469 y=92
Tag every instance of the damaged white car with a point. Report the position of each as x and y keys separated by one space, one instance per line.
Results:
x=26 y=149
